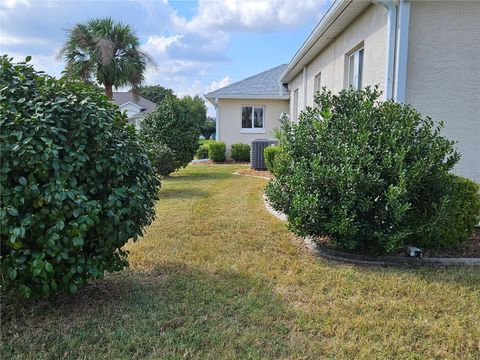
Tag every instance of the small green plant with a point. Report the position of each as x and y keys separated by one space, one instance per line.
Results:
x=270 y=153
x=202 y=152
x=76 y=183
x=241 y=152
x=216 y=151
x=371 y=175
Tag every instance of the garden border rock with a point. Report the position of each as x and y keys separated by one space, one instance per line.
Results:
x=399 y=261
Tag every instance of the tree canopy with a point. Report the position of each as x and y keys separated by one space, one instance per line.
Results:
x=106 y=51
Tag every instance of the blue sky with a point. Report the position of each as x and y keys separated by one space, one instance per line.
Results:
x=198 y=45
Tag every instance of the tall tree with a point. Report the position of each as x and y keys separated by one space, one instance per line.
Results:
x=196 y=107
x=155 y=93
x=107 y=51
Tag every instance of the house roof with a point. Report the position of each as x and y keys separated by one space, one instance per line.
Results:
x=264 y=85
x=340 y=14
x=121 y=98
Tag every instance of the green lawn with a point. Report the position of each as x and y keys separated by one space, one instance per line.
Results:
x=217 y=277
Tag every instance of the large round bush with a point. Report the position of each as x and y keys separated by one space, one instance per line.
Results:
x=76 y=183
x=173 y=125
x=371 y=175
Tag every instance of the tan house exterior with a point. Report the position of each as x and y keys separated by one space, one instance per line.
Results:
x=425 y=53
x=230 y=131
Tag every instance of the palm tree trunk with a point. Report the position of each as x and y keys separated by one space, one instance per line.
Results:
x=109 y=91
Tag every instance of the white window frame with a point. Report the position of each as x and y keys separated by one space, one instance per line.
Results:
x=317 y=84
x=355 y=62
x=295 y=105
x=253 y=130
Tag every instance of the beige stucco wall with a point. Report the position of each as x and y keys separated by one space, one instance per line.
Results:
x=230 y=120
x=371 y=29
x=443 y=78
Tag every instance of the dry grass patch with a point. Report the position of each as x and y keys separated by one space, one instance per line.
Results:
x=217 y=277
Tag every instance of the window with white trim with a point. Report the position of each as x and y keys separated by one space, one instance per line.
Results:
x=355 y=69
x=253 y=117
x=317 y=83
x=295 y=105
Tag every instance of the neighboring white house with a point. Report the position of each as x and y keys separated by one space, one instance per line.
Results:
x=425 y=53
x=135 y=106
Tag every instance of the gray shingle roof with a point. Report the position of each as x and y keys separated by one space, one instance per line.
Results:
x=264 y=84
x=121 y=98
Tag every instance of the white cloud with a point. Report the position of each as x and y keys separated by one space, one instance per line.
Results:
x=50 y=64
x=10 y=4
x=7 y=39
x=159 y=44
x=214 y=85
x=249 y=15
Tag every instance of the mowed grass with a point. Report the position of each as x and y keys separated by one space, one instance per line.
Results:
x=217 y=277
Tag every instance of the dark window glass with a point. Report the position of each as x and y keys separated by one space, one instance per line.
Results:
x=258 y=117
x=247 y=117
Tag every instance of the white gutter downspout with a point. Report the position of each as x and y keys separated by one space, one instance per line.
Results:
x=217 y=121
x=402 y=51
x=391 y=35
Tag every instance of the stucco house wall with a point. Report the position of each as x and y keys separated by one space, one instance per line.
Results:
x=369 y=29
x=230 y=127
x=443 y=78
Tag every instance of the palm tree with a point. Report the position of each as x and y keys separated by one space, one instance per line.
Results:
x=106 y=51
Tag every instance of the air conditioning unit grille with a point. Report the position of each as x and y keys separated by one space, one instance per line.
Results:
x=256 y=153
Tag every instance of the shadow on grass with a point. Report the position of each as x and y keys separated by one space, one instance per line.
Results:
x=182 y=193
x=171 y=311
x=202 y=176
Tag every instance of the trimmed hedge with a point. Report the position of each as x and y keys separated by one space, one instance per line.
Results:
x=241 y=152
x=270 y=153
x=202 y=152
x=162 y=157
x=173 y=125
x=76 y=183
x=371 y=175
x=455 y=213
x=216 y=151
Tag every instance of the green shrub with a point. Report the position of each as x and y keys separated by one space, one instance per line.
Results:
x=269 y=154
x=455 y=214
x=202 y=152
x=76 y=183
x=368 y=174
x=241 y=152
x=161 y=157
x=173 y=125
x=216 y=151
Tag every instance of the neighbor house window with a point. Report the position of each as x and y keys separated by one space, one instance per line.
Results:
x=295 y=105
x=355 y=69
x=317 y=83
x=253 y=117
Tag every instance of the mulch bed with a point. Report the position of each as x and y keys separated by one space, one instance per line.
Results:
x=467 y=249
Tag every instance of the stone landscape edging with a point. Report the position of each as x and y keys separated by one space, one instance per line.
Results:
x=341 y=256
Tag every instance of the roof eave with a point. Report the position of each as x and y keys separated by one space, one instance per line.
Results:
x=333 y=15
x=246 y=96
